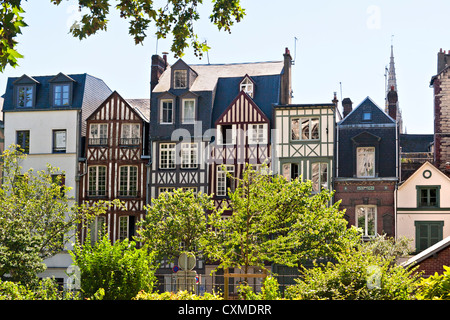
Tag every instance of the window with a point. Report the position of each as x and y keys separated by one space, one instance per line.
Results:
x=428 y=233
x=305 y=129
x=25 y=96
x=128 y=181
x=59 y=141
x=180 y=79
x=130 y=134
x=97 y=181
x=226 y=134
x=61 y=95
x=319 y=176
x=365 y=162
x=23 y=140
x=166 y=114
x=257 y=134
x=247 y=86
x=59 y=180
x=189 y=155
x=224 y=181
x=367 y=116
x=188 y=112
x=290 y=171
x=366 y=219
x=428 y=196
x=97 y=229
x=126 y=227
x=98 y=134
x=167 y=156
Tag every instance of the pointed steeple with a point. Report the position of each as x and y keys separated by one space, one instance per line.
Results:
x=392 y=83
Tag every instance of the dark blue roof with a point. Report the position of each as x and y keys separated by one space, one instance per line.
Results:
x=378 y=116
x=266 y=93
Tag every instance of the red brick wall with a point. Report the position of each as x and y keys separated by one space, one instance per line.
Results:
x=435 y=262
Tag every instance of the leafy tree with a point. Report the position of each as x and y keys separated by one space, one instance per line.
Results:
x=119 y=271
x=176 y=17
x=435 y=287
x=359 y=273
x=36 y=218
x=277 y=221
x=176 y=222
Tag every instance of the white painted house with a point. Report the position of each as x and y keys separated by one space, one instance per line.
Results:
x=46 y=115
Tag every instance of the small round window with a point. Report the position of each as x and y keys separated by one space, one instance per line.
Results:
x=427 y=174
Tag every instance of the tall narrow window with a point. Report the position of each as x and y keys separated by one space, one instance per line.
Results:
x=189 y=155
x=97 y=229
x=226 y=134
x=188 y=113
x=23 y=140
x=126 y=227
x=166 y=113
x=130 y=134
x=25 y=96
x=59 y=141
x=97 y=181
x=290 y=171
x=247 y=86
x=167 y=156
x=365 y=162
x=224 y=181
x=305 y=129
x=128 y=181
x=319 y=176
x=257 y=133
x=366 y=219
x=61 y=95
x=180 y=79
x=98 y=134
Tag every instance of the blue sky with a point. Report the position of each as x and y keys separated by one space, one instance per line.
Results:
x=341 y=44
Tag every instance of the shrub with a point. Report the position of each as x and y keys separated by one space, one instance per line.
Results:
x=180 y=295
x=436 y=287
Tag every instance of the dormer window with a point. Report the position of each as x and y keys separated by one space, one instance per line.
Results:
x=61 y=94
x=180 y=79
x=25 y=96
x=247 y=86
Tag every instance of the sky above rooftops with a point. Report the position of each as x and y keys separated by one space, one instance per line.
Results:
x=342 y=46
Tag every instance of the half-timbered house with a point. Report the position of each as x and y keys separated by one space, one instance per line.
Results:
x=115 y=164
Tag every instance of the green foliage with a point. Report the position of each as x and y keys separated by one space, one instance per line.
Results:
x=360 y=273
x=114 y=271
x=46 y=289
x=180 y=295
x=277 y=221
x=435 y=287
x=269 y=291
x=176 y=222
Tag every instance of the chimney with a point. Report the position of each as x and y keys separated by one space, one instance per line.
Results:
x=392 y=103
x=286 y=85
x=443 y=60
x=347 y=106
x=159 y=64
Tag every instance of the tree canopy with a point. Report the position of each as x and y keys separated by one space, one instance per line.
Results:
x=173 y=17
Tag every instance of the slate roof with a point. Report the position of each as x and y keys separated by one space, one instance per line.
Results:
x=355 y=117
x=142 y=106
x=416 y=142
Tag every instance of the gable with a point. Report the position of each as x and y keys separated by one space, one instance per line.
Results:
x=242 y=109
x=115 y=108
x=365 y=137
x=427 y=174
x=377 y=116
x=25 y=80
x=61 y=77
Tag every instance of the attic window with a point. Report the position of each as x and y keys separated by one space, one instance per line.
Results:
x=25 y=96
x=367 y=116
x=247 y=86
x=180 y=79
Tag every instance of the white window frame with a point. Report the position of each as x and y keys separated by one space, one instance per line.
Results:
x=185 y=120
x=220 y=140
x=221 y=179
x=130 y=133
x=320 y=184
x=101 y=133
x=59 y=143
x=257 y=133
x=162 y=109
x=189 y=155
x=97 y=181
x=166 y=154
x=27 y=92
x=359 y=155
x=182 y=74
x=123 y=224
x=365 y=227
x=129 y=179
x=300 y=128
x=246 y=85
x=64 y=95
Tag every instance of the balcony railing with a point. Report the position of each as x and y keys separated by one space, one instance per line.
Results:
x=96 y=193
x=98 y=141
x=129 y=141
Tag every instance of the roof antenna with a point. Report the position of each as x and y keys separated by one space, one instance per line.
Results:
x=340 y=85
x=295 y=50
x=207 y=52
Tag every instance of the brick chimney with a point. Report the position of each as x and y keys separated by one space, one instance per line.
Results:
x=392 y=103
x=347 y=106
x=286 y=84
x=159 y=64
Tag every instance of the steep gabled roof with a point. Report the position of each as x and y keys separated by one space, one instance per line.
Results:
x=429 y=166
x=355 y=117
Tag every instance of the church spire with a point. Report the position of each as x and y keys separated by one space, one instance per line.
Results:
x=392 y=83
